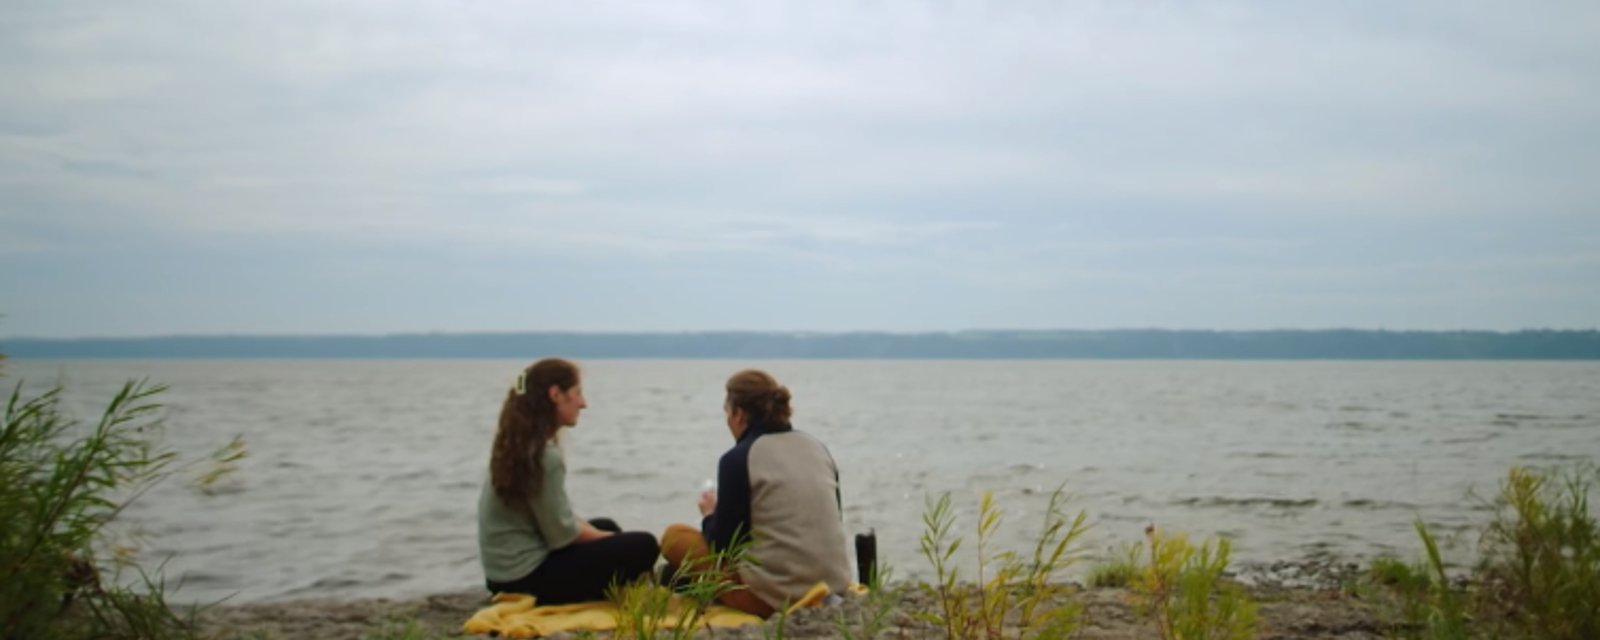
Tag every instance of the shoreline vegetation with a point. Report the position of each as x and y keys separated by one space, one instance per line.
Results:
x=1539 y=578
x=1157 y=344
x=1103 y=613
x=63 y=484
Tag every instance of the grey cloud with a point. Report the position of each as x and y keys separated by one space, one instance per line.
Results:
x=1027 y=146
x=1186 y=102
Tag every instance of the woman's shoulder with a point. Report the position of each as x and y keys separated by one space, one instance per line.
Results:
x=553 y=456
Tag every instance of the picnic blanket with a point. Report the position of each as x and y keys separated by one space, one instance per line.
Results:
x=514 y=615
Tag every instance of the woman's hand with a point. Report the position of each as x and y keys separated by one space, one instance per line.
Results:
x=708 y=502
x=587 y=532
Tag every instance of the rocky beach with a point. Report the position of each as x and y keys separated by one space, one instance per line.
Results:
x=1297 y=601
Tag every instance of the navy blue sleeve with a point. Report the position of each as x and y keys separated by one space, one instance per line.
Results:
x=838 y=494
x=731 y=518
x=838 y=490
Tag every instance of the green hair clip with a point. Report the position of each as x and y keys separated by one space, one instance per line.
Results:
x=521 y=385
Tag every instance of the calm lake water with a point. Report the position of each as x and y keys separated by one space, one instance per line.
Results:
x=363 y=476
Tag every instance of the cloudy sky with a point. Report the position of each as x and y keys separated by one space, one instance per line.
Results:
x=378 y=166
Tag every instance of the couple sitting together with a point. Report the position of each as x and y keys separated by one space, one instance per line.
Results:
x=777 y=491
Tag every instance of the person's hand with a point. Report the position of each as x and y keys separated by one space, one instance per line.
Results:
x=587 y=532
x=708 y=502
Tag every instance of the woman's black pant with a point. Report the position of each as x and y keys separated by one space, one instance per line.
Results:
x=581 y=572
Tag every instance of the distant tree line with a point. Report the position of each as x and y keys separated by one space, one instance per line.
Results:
x=1113 y=344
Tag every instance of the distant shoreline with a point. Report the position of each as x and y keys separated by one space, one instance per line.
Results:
x=1122 y=344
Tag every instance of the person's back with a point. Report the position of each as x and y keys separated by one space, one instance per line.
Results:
x=798 y=538
x=512 y=542
x=776 y=488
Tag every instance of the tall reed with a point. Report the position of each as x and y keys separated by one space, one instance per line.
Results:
x=1020 y=595
x=1540 y=557
x=646 y=610
x=1538 y=574
x=61 y=487
x=1183 y=590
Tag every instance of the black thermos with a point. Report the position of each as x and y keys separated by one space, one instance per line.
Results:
x=866 y=556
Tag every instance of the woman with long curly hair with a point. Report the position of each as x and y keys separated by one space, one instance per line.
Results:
x=777 y=497
x=529 y=540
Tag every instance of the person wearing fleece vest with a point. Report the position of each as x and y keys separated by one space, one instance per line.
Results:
x=778 y=490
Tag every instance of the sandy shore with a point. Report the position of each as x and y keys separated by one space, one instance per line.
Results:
x=1296 y=600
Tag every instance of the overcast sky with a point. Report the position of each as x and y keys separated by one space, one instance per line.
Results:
x=389 y=166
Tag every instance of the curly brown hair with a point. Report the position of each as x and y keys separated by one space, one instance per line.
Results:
x=527 y=424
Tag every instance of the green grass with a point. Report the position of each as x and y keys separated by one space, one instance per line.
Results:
x=1014 y=594
x=1182 y=588
x=1118 y=572
x=643 y=605
x=66 y=570
x=1446 y=618
x=1540 y=557
x=1538 y=574
x=1394 y=573
x=62 y=484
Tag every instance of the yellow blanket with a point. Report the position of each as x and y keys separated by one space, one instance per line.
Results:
x=514 y=616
